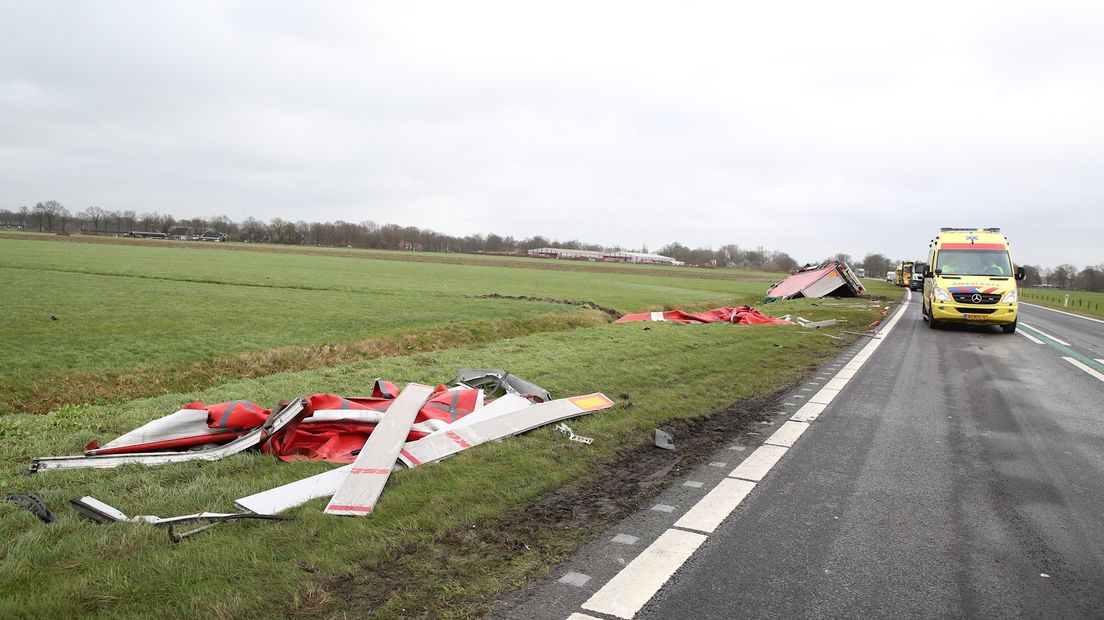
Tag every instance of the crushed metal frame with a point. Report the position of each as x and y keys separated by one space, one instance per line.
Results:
x=276 y=422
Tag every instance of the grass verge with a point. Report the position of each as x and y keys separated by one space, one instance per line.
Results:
x=447 y=540
x=1080 y=302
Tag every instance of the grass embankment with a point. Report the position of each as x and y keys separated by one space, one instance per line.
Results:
x=1080 y=302
x=95 y=323
x=447 y=539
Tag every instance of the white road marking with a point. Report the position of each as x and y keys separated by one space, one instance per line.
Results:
x=575 y=579
x=1087 y=318
x=693 y=484
x=638 y=582
x=1029 y=336
x=625 y=539
x=1091 y=371
x=758 y=463
x=579 y=616
x=1036 y=329
x=808 y=413
x=718 y=464
x=837 y=383
x=663 y=508
x=824 y=396
x=708 y=513
x=846 y=373
x=1099 y=361
x=787 y=434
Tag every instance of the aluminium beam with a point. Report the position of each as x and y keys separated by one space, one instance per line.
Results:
x=448 y=443
x=364 y=484
x=275 y=422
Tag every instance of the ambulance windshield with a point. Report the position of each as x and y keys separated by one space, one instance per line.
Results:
x=974 y=262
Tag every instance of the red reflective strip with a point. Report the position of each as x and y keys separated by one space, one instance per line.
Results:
x=989 y=290
x=971 y=246
x=410 y=457
x=459 y=440
x=352 y=508
x=368 y=470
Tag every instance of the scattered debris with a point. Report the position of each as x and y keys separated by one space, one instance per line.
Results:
x=373 y=434
x=33 y=504
x=832 y=278
x=566 y=431
x=818 y=324
x=744 y=315
x=499 y=379
x=664 y=440
x=101 y=512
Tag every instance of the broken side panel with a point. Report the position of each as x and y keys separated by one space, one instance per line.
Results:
x=364 y=484
x=441 y=445
x=275 y=423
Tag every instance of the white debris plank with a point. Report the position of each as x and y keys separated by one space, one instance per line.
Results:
x=361 y=489
x=439 y=446
x=293 y=494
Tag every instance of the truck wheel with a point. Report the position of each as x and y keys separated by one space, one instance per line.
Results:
x=1010 y=328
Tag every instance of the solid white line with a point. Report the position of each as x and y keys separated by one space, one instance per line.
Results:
x=579 y=616
x=1029 y=336
x=846 y=373
x=1080 y=316
x=712 y=509
x=1099 y=361
x=1091 y=371
x=638 y=582
x=837 y=384
x=808 y=412
x=787 y=434
x=758 y=463
x=1036 y=329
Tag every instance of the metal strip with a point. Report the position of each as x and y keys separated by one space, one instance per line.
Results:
x=438 y=446
x=274 y=424
x=362 y=487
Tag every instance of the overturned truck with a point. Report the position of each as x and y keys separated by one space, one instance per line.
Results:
x=833 y=278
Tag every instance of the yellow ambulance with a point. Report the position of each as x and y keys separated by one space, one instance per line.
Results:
x=970 y=278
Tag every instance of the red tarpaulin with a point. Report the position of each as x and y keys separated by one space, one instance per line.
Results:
x=744 y=315
x=332 y=427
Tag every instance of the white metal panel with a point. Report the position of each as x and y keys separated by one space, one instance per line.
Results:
x=364 y=484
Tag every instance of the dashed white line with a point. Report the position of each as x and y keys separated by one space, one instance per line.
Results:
x=758 y=463
x=638 y=582
x=1029 y=336
x=1036 y=329
x=808 y=413
x=1092 y=371
x=787 y=434
x=708 y=513
x=824 y=396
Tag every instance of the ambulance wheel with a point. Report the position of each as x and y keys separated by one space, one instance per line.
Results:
x=1010 y=328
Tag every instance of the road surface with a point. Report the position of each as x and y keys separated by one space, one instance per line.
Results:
x=956 y=473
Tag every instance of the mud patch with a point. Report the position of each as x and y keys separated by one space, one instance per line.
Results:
x=552 y=300
x=551 y=528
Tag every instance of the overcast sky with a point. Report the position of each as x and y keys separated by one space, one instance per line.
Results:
x=807 y=127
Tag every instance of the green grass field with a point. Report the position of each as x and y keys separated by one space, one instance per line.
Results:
x=447 y=540
x=134 y=316
x=1080 y=302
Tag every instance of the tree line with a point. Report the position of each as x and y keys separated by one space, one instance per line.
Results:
x=52 y=216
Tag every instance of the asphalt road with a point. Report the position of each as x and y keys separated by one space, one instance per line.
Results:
x=959 y=473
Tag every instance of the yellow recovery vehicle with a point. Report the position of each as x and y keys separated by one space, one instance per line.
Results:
x=970 y=278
